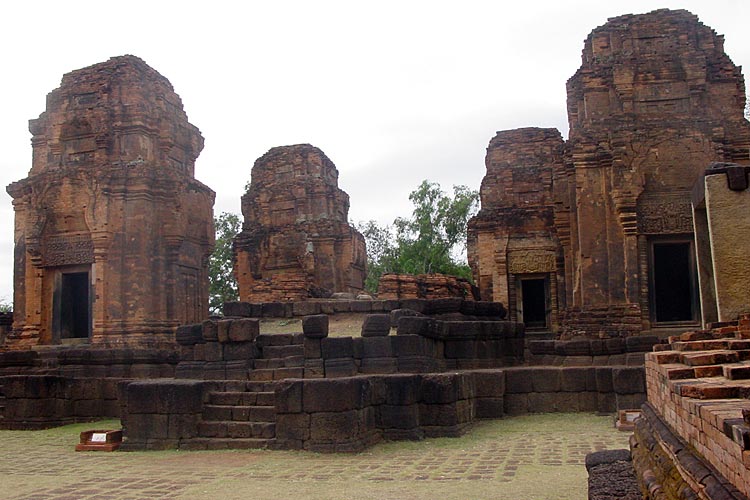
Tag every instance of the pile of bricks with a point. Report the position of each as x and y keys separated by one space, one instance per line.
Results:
x=604 y=322
x=424 y=286
x=287 y=287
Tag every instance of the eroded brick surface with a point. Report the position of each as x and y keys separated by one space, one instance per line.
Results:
x=111 y=198
x=655 y=102
x=697 y=397
x=296 y=241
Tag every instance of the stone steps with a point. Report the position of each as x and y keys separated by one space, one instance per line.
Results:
x=239 y=398
x=237 y=430
x=276 y=363
x=283 y=351
x=269 y=374
x=226 y=443
x=237 y=418
x=282 y=357
x=239 y=413
x=279 y=339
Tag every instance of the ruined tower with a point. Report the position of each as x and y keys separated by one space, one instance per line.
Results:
x=513 y=243
x=655 y=101
x=296 y=241
x=112 y=230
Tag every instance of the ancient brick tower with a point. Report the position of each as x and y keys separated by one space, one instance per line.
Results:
x=296 y=241
x=513 y=244
x=610 y=250
x=112 y=231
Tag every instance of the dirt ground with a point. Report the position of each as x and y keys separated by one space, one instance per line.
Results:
x=339 y=325
x=533 y=457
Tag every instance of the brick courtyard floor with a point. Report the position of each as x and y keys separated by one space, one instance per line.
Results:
x=521 y=458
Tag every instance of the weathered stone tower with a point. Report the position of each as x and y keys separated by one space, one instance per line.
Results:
x=112 y=231
x=513 y=248
x=296 y=240
x=606 y=228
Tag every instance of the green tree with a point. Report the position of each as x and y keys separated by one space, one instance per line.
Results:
x=432 y=240
x=222 y=285
x=382 y=253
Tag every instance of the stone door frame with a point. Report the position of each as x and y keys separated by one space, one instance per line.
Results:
x=57 y=300
x=518 y=293
x=656 y=240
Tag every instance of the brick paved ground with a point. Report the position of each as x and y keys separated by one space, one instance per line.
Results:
x=521 y=458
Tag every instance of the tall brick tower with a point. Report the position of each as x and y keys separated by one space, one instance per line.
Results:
x=112 y=230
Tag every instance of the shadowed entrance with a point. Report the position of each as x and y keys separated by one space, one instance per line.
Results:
x=673 y=282
x=73 y=312
x=534 y=302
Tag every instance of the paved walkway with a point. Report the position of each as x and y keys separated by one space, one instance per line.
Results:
x=532 y=457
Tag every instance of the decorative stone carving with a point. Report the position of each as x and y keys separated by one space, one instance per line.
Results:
x=67 y=251
x=667 y=214
x=531 y=261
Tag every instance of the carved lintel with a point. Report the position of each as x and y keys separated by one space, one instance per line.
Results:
x=531 y=261
x=665 y=215
x=67 y=250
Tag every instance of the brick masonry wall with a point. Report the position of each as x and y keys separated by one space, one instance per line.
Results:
x=697 y=390
x=668 y=468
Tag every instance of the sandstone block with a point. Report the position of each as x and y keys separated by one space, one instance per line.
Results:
x=305 y=308
x=545 y=379
x=397 y=314
x=518 y=381
x=244 y=330
x=337 y=347
x=334 y=426
x=401 y=390
x=489 y=383
x=629 y=380
x=187 y=335
x=335 y=395
x=376 y=325
x=376 y=347
x=340 y=367
x=238 y=309
x=315 y=326
x=407 y=345
x=293 y=426
x=399 y=416
x=288 y=396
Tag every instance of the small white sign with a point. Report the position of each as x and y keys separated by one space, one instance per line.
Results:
x=99 y=437
x=630 y=416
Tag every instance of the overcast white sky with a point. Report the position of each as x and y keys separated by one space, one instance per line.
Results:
x=393 y=92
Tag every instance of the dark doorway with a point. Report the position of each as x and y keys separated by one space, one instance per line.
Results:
x=673 y=282
x=74 y=306
x=534 y=302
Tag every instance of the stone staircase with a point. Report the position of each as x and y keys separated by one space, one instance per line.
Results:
x=241 y=416
x=282 y=356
